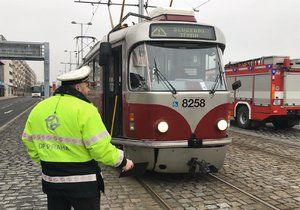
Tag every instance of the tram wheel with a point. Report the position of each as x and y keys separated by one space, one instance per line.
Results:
x=242 y=118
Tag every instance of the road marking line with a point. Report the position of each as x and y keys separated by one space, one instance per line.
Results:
x=12 y=120
x=5 y=107
x=9 y=111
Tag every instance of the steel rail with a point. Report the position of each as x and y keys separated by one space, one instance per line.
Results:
x=269 y=139
x=154 y=195
x=256 y=148
x=243 y=191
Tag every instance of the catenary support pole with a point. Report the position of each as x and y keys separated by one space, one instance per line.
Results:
x=46 y=68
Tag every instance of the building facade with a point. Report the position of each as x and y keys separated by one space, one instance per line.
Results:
x=8 y=78
x=16 y=77
x=1 y=78
x=23 y=78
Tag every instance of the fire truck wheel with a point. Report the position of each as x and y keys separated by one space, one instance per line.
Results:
x=242 y=118
x=284 y=123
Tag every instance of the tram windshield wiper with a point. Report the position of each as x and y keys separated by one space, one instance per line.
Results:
x=219 y=77
x=160 y=76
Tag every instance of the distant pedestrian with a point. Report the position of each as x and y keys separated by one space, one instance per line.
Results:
x=66 y=135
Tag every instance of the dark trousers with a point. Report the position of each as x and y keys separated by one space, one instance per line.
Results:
x=65 y=203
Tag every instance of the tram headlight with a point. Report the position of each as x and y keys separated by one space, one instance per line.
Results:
x=222 y=125
x=162 y=127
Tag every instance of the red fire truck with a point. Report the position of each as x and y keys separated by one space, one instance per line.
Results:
x=270 y=91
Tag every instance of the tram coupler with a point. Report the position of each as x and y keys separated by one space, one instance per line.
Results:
x=193 y=142
x=203 y=167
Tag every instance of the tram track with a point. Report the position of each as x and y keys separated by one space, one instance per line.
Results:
x=164 y=205
x=268 y=152
x=267 y=138
x=264 y=146
x=154 y=194
x=268 y=149
x=244 y=192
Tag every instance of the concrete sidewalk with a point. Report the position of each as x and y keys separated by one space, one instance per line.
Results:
x=7 y=97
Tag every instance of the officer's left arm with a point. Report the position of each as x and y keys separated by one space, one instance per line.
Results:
x=97 y=141
x=28 y=142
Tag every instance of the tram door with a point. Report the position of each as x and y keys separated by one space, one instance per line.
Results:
x=113 y=93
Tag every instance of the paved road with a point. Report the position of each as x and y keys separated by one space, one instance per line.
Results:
x=20 y=179
x=290 y=136
x=266 y=168
x=12 y=107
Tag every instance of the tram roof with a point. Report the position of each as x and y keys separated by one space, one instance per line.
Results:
x=140 y=32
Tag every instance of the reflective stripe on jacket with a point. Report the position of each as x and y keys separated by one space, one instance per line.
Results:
x=66 y=134
x=80 y=134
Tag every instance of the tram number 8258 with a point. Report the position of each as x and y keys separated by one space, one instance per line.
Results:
x=193 y=102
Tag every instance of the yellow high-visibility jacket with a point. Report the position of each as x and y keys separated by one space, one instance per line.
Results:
x=66 y=134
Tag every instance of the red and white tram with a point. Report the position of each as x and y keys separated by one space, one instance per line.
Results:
x=160 y=88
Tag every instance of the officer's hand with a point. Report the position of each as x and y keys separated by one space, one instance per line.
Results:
x=129 y=165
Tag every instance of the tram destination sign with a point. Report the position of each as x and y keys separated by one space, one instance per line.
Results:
x=182 y=31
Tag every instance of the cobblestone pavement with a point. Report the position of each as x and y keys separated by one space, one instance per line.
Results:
x=204 y=192
x=20 y=184
x=291 y=136
x=269 y=170
x=125 y=193
x=20 y=180
x=266 y=169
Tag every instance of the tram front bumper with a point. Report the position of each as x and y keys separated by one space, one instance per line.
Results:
x=174 y=156
x=170 y=144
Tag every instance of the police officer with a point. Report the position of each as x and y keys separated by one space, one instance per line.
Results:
x=66 y=135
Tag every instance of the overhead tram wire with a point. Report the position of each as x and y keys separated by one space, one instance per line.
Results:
x=195 y=8
x=187 y=3
x=93 y=14
x=87 y=45
x=79 y=50
x=109 y=3
x=91 y=20
x=112 y=4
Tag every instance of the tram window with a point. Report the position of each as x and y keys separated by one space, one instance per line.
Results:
x=91 y=76
x=188 y=67
x=111 y=75
x=95 y=76
x=138 y=58
x=210 y=67
x=98 y=75
x=136 y=80
x=138 y=69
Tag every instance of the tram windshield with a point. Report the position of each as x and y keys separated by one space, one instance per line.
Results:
x=187 y=67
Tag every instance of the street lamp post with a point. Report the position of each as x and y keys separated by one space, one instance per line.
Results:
x=70 y=51
x=81 y=33
x=65 y=66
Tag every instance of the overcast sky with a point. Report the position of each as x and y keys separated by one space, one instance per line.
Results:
x=253 y=28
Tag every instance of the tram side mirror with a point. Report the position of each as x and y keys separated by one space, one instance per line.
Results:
x=105 y=51
x=237 y=84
